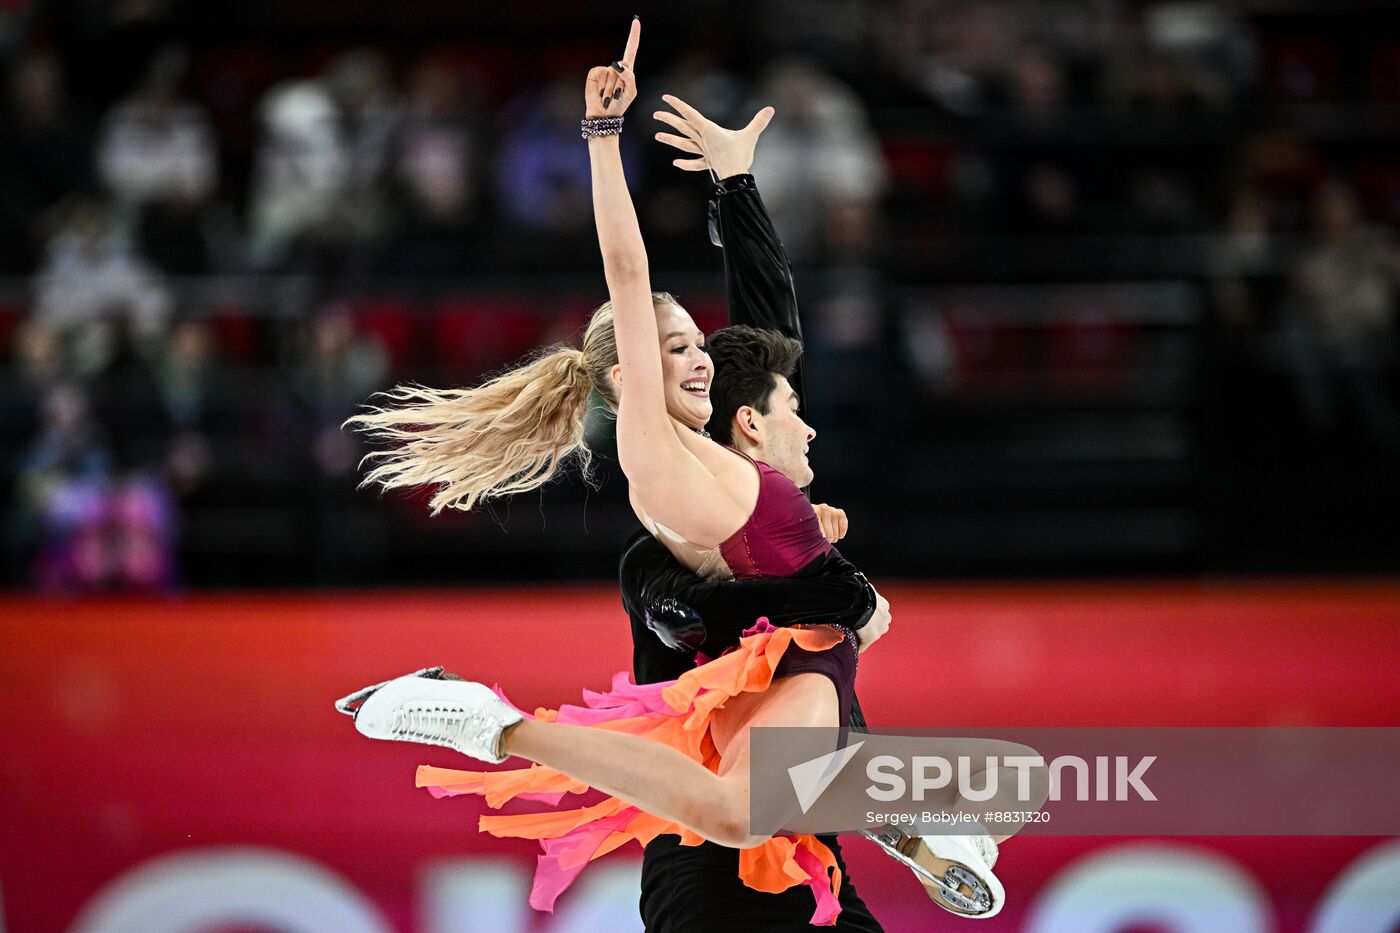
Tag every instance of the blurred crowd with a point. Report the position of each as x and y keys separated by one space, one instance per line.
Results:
x=422 y=168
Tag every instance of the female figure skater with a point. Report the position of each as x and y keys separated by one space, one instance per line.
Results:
x=674 y=757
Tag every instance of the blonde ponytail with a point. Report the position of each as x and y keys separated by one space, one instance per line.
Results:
x=511 y=434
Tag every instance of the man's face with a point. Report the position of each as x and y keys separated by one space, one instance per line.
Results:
x=782 y=435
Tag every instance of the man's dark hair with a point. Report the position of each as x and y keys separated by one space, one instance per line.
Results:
x=746 y=360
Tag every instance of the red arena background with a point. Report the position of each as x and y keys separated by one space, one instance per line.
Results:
x=180 y=758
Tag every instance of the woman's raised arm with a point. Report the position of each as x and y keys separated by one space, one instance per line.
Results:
x=669 y=480
x=646 y=441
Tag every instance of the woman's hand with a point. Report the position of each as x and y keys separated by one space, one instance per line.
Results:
x=833 y=521
x=726 y=152
x=611 y=89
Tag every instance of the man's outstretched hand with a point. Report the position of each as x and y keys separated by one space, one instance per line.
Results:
x=725 y=152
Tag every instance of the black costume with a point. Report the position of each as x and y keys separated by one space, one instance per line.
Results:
x=673 y=613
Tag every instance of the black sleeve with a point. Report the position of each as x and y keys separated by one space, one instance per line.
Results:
x=758 y=277
x=690 y=613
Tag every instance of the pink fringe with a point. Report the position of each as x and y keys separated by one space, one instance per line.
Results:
x=566 y=856
x=828 y=906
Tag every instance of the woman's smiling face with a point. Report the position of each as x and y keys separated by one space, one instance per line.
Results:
x=686 y=369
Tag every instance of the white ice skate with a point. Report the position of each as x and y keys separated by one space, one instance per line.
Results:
x=955 y=870
x=433 y=708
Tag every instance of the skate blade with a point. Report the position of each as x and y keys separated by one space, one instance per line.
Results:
x=350 y=705
x=958 y=890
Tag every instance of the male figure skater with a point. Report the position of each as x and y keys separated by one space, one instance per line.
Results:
x=675 y=613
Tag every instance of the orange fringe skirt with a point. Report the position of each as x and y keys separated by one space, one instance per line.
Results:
x=678 y=714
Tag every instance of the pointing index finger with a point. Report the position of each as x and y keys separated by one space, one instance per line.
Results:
x=634 y=38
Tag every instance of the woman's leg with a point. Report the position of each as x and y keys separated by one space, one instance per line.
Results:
x=1007 y=780
x=664 y=782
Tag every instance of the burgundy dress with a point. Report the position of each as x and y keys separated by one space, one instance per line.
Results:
x=782 y=538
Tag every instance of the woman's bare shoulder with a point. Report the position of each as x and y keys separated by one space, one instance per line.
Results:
x=703 y=512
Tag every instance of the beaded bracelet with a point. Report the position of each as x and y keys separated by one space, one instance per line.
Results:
x=600 y=126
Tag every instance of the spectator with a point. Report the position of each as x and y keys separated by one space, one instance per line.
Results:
x=1344 y=317
x=90 y=273
x=303 y=170
x=436 y=170
x=45 y=152
x=319 y=189
x=360 y=83
x=157 y=156
x=1038 y=87
x=40 y=365
x=127 y=402
x=1182 y=58
x=542 y=175
x=340 y=370
x=62 y=480
x=86 y=526
x=40 y=358
x=699 y=78
x=194 y=397
x=1243 y=264
x=1038 y=166
x=155 y=147
x=371 y=115
x=819 y=156
x=951 y=51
